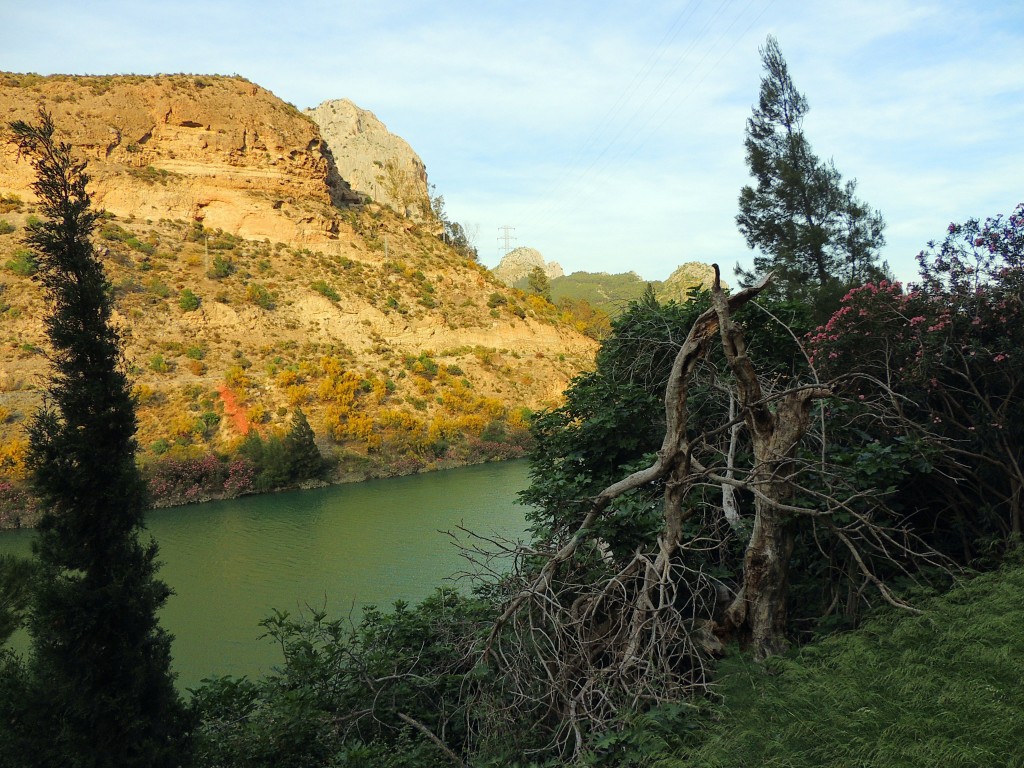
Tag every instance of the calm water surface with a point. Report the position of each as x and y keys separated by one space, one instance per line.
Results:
x=231 y=563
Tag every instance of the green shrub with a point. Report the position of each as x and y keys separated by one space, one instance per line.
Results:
x=158 y=364
x=408 y=663
x=6 y=227
x=221 y=267
x=496 y=300
x=324 y=289
x=159 y=288
x=10 y=203
x=149 y=174
x=260 y=296
x=115 y=233
x=188 y=301
x=141 y=246
x=24 y=263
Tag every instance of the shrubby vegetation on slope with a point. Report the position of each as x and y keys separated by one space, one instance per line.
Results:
x=377 y=405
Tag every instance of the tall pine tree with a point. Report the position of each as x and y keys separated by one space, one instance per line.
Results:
x=98 y=688
x=809 y=226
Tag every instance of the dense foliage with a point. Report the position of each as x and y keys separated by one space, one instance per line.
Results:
x=352 y=696
x=15 y=593
x=947 y=352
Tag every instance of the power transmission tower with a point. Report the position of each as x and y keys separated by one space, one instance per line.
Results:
x=506 y=238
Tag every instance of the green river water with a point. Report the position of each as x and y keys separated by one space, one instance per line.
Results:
x=231 y=563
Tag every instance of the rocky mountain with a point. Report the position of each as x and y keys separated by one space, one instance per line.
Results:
x=216 y=150
x=375 y=162
x=250 y=280
x=518 y=263
x=686 y=277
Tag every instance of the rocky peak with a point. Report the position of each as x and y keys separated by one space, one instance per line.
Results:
x=687 y=276
x=520 y=262
x=374 y=161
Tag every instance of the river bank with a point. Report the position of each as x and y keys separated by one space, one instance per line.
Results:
x=176 y=482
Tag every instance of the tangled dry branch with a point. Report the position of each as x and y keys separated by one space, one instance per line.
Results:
x=583 y=637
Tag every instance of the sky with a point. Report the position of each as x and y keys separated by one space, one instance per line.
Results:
x=608 y=135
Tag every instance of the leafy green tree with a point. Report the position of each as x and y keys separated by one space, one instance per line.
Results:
x=809 y=226
x=538 y=283
x=611 y=423
x=452 y=232
x=269 y=458
x=97 y=688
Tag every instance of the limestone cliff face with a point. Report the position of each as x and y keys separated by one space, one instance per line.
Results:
x=217 y=150
x=687 y=276
x=520 y=262
x=374 y=161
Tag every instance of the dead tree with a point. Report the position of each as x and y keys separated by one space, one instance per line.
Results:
x=573 y=650
x=577 y=653
x=758 y=613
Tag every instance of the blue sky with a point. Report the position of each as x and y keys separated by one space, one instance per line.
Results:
x=608 y=134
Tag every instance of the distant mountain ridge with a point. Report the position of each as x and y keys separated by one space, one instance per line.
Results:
x=610 y=293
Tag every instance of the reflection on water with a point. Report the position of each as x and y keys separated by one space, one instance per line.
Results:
x=231 y=563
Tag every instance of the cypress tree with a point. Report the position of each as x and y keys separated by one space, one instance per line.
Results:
x=304 y=458
x=99 y=690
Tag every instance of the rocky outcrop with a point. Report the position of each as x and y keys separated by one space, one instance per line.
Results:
x=217 y=150
x=687 y=276
x=375 y=162
x=520 y=262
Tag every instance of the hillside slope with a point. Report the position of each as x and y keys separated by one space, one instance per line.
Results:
x=245 y=287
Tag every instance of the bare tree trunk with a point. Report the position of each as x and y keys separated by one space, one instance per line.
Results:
x=758 y=613
x=759 y=610
x=730 y=508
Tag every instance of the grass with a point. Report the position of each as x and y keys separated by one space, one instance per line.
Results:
x=940 y=689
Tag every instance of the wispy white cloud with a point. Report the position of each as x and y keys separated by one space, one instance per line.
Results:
x=609 y=134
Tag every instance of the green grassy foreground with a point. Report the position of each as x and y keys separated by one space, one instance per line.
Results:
x=945 y=688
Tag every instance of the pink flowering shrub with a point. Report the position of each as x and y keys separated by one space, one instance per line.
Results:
x=241 y=477
x=948 y=354
x=175 y=480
